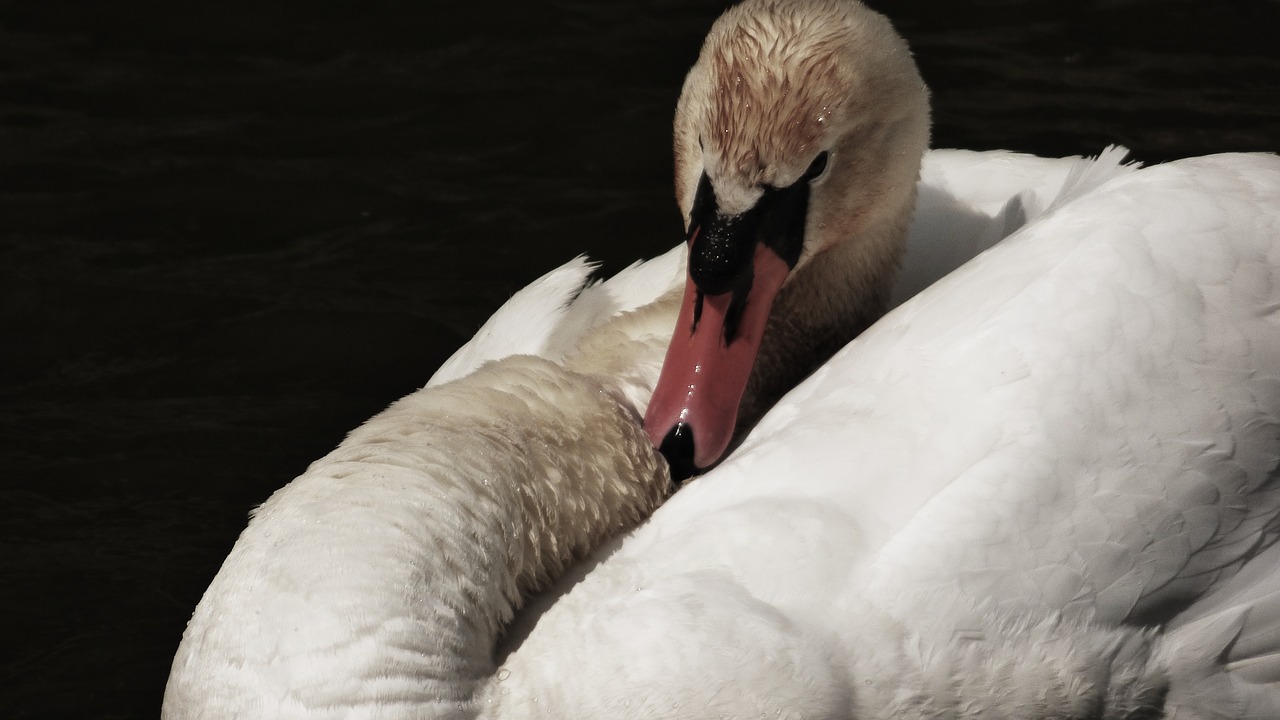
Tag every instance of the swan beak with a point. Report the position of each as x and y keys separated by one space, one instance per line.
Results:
x=737 y=264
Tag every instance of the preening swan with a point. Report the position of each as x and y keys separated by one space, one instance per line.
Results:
x=1043 y=488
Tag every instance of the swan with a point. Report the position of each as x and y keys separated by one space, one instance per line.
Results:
x=864 y=552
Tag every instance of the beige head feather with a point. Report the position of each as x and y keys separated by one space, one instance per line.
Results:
x=777 y=83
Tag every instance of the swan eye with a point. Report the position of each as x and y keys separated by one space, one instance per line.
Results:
x=816 y=167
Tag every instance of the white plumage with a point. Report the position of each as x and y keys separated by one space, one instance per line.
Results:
x=990 y=503
x=1043 y=488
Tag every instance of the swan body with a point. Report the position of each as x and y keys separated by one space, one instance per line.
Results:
x=988 y=504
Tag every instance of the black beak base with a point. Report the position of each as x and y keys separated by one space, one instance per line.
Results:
x=677 y=448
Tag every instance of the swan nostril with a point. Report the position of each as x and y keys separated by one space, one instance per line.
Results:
x=677 y=448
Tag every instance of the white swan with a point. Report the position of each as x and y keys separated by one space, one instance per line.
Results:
x=862 y=553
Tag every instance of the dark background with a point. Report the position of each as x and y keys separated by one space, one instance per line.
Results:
x=230 y=231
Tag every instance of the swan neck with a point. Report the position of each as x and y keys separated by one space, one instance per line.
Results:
x=825 y=304
x=378 y=581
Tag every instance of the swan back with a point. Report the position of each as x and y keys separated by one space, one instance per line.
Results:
x=968 y=201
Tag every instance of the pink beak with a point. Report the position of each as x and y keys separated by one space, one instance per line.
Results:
x=694 y=409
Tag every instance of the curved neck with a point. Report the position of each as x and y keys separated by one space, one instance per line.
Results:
x=827 y=302
x=381 y=577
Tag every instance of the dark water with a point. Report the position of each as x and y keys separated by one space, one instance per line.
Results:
x=233 y=230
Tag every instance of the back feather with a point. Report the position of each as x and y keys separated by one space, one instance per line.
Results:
x=524 y=325
x=970 y=201
x=550 y=316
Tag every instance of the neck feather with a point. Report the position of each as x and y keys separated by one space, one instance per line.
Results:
x=827 y=302
x=378 y=581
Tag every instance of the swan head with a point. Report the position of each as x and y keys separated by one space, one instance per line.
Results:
x=798 y=140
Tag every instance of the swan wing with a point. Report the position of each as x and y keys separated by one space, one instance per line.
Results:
x=548 y=317
x=1228 y=644
x=968 y=201
x=1122 y=459
x=525 y=323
